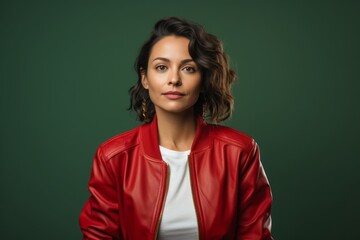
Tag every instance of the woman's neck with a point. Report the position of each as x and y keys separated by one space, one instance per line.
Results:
x=176 y=130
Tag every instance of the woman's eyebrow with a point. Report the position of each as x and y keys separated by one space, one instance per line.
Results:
x=168 y=60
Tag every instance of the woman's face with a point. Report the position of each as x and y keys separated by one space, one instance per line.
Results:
x=172 y=78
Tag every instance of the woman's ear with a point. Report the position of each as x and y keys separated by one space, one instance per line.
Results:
x=144 y=80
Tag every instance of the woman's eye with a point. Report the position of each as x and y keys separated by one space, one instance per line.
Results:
x=189 y=69
x=161 y=68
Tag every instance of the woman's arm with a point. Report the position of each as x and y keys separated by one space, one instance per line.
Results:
x=99 y=217
x=255 y=198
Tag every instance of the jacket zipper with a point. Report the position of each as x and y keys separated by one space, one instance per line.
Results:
x=163 y=199
x=193 y=196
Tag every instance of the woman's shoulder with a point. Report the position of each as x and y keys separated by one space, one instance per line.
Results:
x=230 y=135
x=120 y=142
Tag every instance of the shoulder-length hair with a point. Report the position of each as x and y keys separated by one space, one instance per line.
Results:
x=215 y=101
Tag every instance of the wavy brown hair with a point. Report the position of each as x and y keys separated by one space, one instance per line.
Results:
x=207 y=52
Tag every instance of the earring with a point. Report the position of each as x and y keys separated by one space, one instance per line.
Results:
x=143 y=109
x=204 y=111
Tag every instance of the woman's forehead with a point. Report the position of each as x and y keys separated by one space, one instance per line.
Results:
x=171 y=48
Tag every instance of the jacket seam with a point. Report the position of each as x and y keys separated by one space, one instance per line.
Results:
x=232 y=141
x=115 y=152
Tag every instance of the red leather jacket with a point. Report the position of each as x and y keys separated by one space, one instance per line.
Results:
x=129 y=180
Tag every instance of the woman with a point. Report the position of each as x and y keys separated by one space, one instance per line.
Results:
x=176 y=176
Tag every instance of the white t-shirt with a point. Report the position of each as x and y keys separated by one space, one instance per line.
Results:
x=179 y=217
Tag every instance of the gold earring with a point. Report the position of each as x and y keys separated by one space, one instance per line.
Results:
x=204 y=111
x=143 y=108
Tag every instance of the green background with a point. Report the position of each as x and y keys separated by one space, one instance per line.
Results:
x=66 y=66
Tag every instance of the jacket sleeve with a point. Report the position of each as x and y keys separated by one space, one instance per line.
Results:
x=99 y=217
x=255 y=197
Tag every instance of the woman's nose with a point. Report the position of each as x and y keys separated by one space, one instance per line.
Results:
x=175 y=79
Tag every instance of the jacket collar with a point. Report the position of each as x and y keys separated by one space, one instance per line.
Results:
x=149 y=138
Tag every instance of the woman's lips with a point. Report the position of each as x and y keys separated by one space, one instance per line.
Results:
x=173 y=95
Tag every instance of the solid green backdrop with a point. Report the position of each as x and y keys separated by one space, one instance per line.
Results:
x=66 y=66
